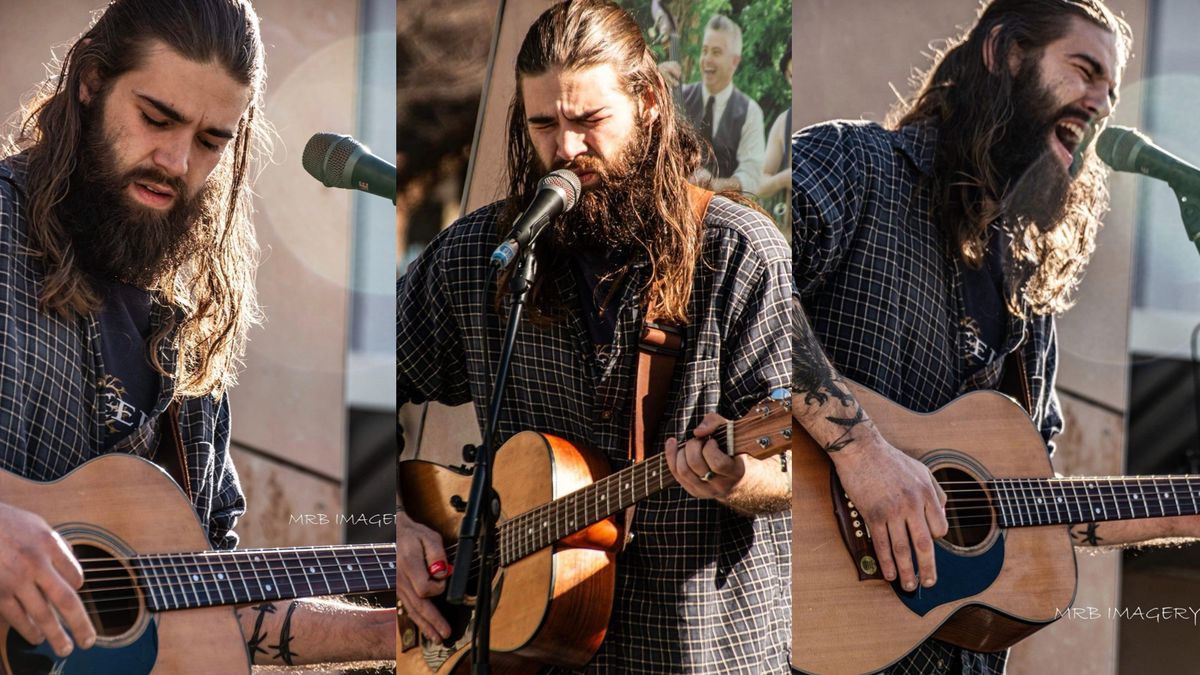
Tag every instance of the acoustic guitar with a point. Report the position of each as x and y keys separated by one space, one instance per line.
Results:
x=159 y=597
x=558 y=540
x=1005 y=569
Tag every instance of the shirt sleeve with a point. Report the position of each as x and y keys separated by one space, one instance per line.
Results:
x=228 y=503
x=827 y=190
x=751 y=150
x=430 y=361
x=756 y=350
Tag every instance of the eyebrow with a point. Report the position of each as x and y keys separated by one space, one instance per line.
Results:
x=545 y=119
x=175 y=116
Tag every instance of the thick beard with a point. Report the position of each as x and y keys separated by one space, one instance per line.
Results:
x=611 y=215
x=1040 y=191
x=114 y=237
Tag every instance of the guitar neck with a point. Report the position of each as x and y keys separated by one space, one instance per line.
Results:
x=188 y=580
x=1022 y=502
x=763 y=433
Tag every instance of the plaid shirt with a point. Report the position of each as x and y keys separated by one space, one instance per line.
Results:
x=51 y=410
x=700 y=589
x=886 y=300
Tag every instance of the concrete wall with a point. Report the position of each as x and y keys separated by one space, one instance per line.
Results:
x=853 y=60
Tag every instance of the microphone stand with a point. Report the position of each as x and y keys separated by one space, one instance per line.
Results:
x=478 y=526
x=1189 y=209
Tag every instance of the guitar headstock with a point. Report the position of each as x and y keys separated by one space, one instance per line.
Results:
x=766 y=431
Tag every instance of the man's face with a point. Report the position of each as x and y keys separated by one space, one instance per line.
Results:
x=1060 y=99
x=151 y=139
x=1078 y=80
x=583 y=120
x=169 y=121
x=717 y=61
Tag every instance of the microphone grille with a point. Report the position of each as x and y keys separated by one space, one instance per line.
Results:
x=1116 y=146
x=325 y=156
x=566 y=181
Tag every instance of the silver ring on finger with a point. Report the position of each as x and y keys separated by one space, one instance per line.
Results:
x=708 y=475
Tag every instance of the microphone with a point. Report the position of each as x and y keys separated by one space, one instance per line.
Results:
x=556 y=193
x=342 y=162
x=1126 y=149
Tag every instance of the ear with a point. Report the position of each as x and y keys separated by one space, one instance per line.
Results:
x=89 y=81
x=649 y=104
x=737 y=60
x=990 y=58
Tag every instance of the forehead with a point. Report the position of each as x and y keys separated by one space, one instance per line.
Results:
x=716 y=38
x=201 y=92
x=572 y=89
x=1086 y=38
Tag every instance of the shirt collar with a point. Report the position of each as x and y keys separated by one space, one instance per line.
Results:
x=722 y=97
x=918 y=142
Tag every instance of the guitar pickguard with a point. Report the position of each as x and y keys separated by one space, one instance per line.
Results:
x=959 y=576
x=135 y=658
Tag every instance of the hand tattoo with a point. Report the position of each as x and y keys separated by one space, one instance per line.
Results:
x=283 y=650
x=815 y=378
x=1087 y=534
x=252 y=645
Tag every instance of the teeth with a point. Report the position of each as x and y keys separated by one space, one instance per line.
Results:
x=1075 y=130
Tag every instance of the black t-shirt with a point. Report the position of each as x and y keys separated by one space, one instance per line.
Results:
x=599 y=292
x=983 y=297
x=129 y=387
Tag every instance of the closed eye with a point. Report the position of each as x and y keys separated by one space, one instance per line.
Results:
x=153 y=122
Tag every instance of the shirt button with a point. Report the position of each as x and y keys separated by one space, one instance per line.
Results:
x=605 y=415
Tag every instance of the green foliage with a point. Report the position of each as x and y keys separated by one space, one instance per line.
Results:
x=766 y=30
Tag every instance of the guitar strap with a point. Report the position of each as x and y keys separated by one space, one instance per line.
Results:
x=170 y=454
x=659 y=347
x=1014 y=381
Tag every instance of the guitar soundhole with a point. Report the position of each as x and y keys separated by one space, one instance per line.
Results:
x=968 y=508
x=110 y=593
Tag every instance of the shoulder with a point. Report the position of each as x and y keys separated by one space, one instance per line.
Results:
x=468 y=239
x=751 y=105
x=12 y=198
x=737 y=227
x=844 y=137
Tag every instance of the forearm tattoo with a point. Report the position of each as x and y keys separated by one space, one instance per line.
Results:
x=253 y=647
x=283 y=650
x=1086 y=534
x=819 y=383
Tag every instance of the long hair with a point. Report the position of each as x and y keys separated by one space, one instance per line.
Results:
x=580 y=34
x=214 y=287
x=971 y=106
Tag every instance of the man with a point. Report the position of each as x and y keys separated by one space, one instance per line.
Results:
x=729 y=120
x=126 y=258
x=703 y=585
x=932 y=255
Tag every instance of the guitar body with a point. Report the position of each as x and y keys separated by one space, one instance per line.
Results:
x=131 y=507
x=550 y=607
x=995 y=585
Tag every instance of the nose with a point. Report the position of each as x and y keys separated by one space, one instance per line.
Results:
x=172 y=155
x=570 y=144
x=1098 y=103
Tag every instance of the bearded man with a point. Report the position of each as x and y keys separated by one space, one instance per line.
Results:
x=126 y=263
x=702 y=586
x=932 y=255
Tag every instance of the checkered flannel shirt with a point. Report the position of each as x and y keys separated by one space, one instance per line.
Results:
x=51 y=417
x=885 y=299
x=700 y=589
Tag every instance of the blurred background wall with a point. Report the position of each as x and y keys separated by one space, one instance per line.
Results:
x=313 y=429
x=1125 y=371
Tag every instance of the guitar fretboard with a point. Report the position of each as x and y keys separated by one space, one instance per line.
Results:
x=1055 y=501
x=187 y=580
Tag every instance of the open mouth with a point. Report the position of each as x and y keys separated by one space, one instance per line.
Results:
x=1070 y=134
